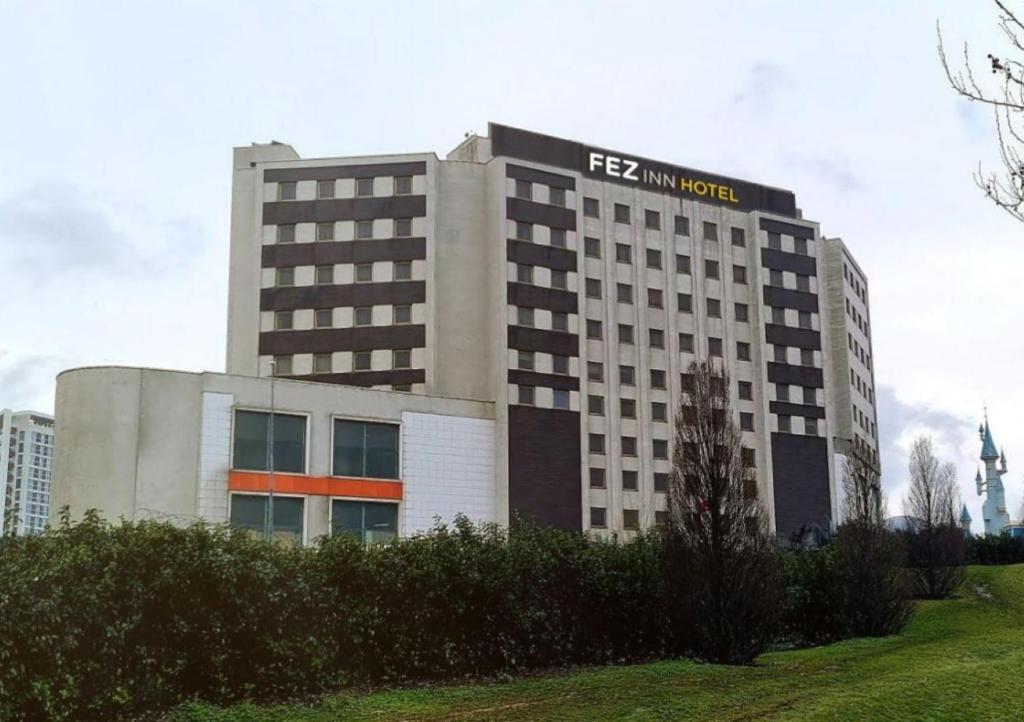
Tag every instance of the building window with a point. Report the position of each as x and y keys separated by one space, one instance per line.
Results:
x=286 y=191
x=714 y=346
x=364 y=186
x=365 y=449
x=686 y=342
x=774 y=241
x=659 y=411
x=711 y=269
x=630 y=519
x=746 y=390
x=657 y=378
x=556 y=196
x=655 y=298
x=627 y=376
x=595 y=443
x=630 y=480
x=782 y=392
x=652 y=220
x=323 y=318
x=402 y=271
x=598 y=517
x=811 y=426
x=778 y=315
x=559 y=321
x=524 y=360
x=560 y=364
x=775 y=278
x=558 y=237
x=364 y=272
x=738 y=237
x=653 y=258
x=325 y=189
x=324 y=275
x=362 y=361
x=627 y=408
x=524 y=189
x=710 y=232
x=403 y=227
x=800 y=246
x=592 y=247
x=252 y=439
x=803 y=283
x=363 y=316
x=660 y=482
x=659 y=448
x=781 y=355
x=743 y=351
x=593 y=286
x=561 y=399
x=286 y=234
x=629 y=446
x=714 y=308
x=747 y=457
x=656 y=338
x=403 y=185
x=742 y=312
x=804 y=319
x=250 y=512
x=559 y=279
x=322 y=363
x=283 y=320
x=624 y=293
x=810 y=395
x=401 y=359
x=281 y=366
x=785 y=424
x=402 y=314
x=682 y=226
x=364 y=230
x=524 y=231
x=595 y=405
x=739 y=274
x=597 y=480
x=526 y=395
x=746 y=421
x=285 y=276
x=682 y=264
x=591 y=207
x=623 y=254
x=370 y=522
x=524 y=316
x=524 y=273
x=684 y=302
x=621 y=213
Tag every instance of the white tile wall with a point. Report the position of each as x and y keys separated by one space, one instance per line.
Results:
x=448 y=465
x=214 y=457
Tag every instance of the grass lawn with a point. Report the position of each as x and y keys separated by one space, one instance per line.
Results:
x=958 y=660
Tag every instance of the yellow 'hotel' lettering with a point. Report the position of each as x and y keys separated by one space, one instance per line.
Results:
x=714 y=190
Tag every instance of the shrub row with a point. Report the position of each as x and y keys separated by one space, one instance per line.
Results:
x=98 y=621
x=1002 y=549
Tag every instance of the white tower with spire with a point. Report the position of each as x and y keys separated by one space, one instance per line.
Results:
x=994 y=508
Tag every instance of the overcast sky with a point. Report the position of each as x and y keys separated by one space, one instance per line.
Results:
x=119 y=119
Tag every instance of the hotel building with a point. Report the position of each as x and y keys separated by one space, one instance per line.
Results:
x=555 y=292
x=26 y=467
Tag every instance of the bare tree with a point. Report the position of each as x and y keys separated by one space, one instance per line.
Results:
x=936 y=542
x=1005 y=96
x=720 y=550
x=863 y=499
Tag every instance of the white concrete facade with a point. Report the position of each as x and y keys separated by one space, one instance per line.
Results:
x=26 y=469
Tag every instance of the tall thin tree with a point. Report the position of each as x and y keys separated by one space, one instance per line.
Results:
x=719 y=548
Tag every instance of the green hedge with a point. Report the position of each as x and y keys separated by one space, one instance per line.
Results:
x=99 y=621
x=1002 y=549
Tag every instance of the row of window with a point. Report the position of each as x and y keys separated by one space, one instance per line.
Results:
x=862 y=387
x=556 y=196
x=806 y=395
x=364 y=230
x=367 y=521
x=864 y=421
x=286 y=190
x=858 y=350
x=854 y=314
x=630 y=518
x=359 y=448
x=859 y=287
x=629 y=480
x=801 y=246
x=361 y=316
x=786 y=425
x=284 y=276
x=323 y=363
x=652 y=221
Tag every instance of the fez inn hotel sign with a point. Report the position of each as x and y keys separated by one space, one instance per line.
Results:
x=631 y=170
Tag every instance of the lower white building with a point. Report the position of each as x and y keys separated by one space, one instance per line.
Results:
x=26 y=465
x=144 y=443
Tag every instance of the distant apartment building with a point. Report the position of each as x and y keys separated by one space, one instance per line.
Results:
x=26 y=468
x=566 y=287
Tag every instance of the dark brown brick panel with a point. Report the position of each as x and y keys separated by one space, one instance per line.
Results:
x=544 y=466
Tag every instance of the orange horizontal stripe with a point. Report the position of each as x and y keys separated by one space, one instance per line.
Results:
x=316 y=485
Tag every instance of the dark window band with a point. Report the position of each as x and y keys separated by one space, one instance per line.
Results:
x=328 y=340
x=534 y=254
x=785 y=408
x=392 y=377
x=384 y=293
x=551 y=299
x=793 y=262
x=539 y=176
x=343 y=209
x=780 y=373
x=314 y=254
x=789 y=229
x=327 y=172
x=789 y=336
x=518 y=209
x=544 y=341
x=534 y=378
x=789 y=298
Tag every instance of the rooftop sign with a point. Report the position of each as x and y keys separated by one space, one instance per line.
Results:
x=616 y=167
